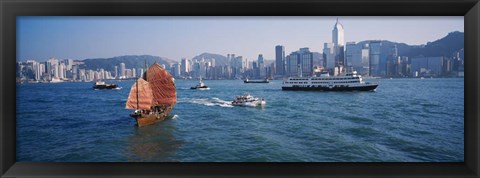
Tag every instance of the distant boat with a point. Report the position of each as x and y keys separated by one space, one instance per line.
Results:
x=248 y=100
x=152 y=96
x=100 y=85
x=56 y=80
x=256 y=81
x=200 y=86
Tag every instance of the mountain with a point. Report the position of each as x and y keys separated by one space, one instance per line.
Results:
x=219 y=59
x=445 y=46
x=131 y=61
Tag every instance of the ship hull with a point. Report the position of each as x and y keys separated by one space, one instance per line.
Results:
x=256 y=82
x=101 y=87
x=149 y=119
x=326 y=88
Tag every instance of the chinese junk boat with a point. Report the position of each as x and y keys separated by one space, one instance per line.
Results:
x=152 y=96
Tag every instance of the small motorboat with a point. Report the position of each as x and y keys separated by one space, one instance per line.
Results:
x=100 y=85
x=248 y=100
x=200 y=86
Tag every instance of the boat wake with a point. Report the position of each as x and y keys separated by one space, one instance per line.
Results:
x=174 y=117
x=207 y=101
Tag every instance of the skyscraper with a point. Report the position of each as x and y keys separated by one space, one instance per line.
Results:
x=375 y=48
x=279 y=60
x=122 y=70
x=329 y=55
x=185 y=67
x=261 y=66
x=338 y=40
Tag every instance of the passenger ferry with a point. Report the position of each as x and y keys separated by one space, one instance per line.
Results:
x=347 y=82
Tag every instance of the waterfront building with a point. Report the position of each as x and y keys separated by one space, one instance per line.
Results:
x=353 y=56
x=300 y=63
x=261 y=67
x=427 y=66
x=329 y=55
x=292 y=64
x=280 y=60
x=338 y=40
x=375 y=48
x=176 y=70
x=115 y=72
x=122 y=70
x=185 y=67
x=365 y=61
x=392 y=62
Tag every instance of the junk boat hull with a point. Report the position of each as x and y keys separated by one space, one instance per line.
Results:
x=144 y=119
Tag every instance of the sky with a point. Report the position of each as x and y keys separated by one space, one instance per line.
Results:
x=40 y=38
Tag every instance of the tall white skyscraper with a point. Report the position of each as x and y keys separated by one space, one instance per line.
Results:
x=185 y=67
x=61 y=69
x=122 y=70
x=338 y=35
x=338 y=40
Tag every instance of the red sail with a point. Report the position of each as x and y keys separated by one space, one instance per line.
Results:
x=144 y=97
x=162 y=84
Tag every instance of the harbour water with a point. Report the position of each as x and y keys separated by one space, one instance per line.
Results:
x=404 y=120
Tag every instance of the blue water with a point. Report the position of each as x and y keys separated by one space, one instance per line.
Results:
x=405 y=120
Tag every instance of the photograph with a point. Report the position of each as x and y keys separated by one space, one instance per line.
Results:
x=240 y=89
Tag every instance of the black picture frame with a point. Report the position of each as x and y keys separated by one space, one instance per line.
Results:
x=9 y=10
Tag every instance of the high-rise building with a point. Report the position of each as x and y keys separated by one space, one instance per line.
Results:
x=300 y=63
x=261 y=67
x=375 y=48
x=353 y=56
x=427 y=66
x=115 y=72
x=365 y=61
x=61 y=67
x=329 y=55
x=176 y=70
x=338 y=40
x=185 y=67
x=279 y=60
x=122 y=70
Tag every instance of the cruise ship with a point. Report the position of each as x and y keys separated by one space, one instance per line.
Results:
x=325 y=82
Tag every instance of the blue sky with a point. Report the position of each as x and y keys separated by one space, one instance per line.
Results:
x=40 y=38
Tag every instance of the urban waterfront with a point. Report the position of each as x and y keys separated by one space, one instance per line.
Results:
x=404 y=120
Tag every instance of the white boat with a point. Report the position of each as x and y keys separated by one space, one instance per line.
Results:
x=347 y=82
x=200 y=86
x=56 y=80
x=248 y=100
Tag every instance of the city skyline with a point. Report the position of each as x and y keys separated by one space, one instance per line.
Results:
x=80 y=38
